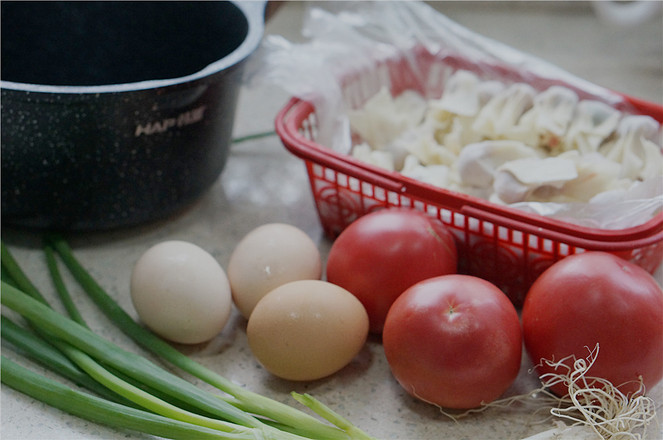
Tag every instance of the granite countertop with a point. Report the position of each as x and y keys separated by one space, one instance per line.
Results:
x=263 y=183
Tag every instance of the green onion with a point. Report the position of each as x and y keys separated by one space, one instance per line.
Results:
x=6 y=278
x=47 y=350
x=253 y=136
x=246 y=400
x=329 y=415
x=40 y=351
x=60 y=286
x=102 y=411
x=129 y=363
x=15 y=273
x=145 y=399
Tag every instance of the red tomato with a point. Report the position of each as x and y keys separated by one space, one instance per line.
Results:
x=454 y=341
x=383 y=253
x=597 y=298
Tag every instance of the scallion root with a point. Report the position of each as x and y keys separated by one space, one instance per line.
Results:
x=591 y=402
x=597 y=403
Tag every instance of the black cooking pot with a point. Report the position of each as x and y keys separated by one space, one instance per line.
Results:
x=117 y=113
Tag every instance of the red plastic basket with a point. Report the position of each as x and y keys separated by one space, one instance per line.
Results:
x=507 y=247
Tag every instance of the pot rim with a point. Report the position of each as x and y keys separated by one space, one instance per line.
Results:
x=253 y=12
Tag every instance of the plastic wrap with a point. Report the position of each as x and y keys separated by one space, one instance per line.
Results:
x=354 y=36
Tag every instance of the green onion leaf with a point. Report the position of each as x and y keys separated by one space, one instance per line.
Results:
x=127 y=362
x=102 y=411
x=40 y=351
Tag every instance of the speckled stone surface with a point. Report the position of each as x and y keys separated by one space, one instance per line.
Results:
x=263 y=183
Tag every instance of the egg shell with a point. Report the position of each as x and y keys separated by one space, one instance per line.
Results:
x=181 y=292
x=306 y=330
x=267 y=257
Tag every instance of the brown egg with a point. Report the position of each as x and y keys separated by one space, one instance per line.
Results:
x=307 y=330
x=267 y=257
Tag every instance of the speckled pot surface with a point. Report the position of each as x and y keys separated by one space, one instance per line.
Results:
x=117 y=135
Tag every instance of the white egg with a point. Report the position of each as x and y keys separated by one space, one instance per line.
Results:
x=267 y=257
x=306 y=330
x=181 y=292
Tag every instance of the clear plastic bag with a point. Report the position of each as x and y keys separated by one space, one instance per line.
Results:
x=353 y=36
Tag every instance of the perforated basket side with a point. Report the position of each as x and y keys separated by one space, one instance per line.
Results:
x=507 y=247
x=510 y=258
x=510 y=253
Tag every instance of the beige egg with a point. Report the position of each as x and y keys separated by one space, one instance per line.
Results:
x=181 y=292
x=306 y=330
x=267 y=257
